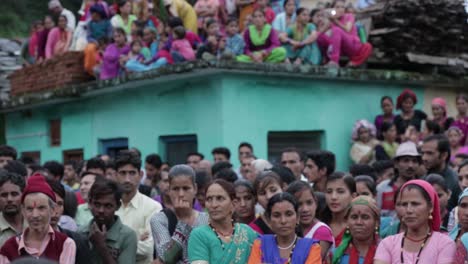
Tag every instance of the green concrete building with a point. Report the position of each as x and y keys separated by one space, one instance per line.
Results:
x=199 y=106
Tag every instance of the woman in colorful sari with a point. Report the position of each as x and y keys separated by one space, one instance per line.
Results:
x=123 y=18
x=340 y=191
x=301 y=40
x=309 y=225
x=287 y=18
x=362 y=234
x=261 y=42
x=284 y=246
x=113 y=54
x=460 y=233
x=339 y=36
x=461 y=119
x=59 y=38
x=421 y=242
x=222 y=241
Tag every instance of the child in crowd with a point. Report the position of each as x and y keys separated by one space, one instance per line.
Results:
x=234 y=41
x=150 y=38
x=181 y=50
x=268 y=11
x=212 y=40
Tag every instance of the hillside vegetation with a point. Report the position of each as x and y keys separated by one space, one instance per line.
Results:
x=16 y=16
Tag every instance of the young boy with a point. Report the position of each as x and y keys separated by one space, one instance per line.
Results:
x=234 y=41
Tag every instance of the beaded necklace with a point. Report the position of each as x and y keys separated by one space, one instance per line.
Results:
x=225 y=236
x=420 y=249
x=293 y=245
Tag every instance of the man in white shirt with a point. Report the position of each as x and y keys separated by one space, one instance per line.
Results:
x=57 y=9
x=136 y=209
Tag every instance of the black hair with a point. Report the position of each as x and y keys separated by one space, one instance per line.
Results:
x=154 y=160
x=175 y=22
x=286 y=2
x=120 y=4
x=300 y=10
x=227 y=186
x=96 y=163
x=265 y=179
x=17 y=167
x=202 y=179
x=127 y=157
x=348 y=180
x=201 y=156
x=462 y=156
x=55 y=168
x=295 y=150
x=135 y=149
x=386 y=126
x=103 y=187
x=321 y=204
x=443 y=144
x=421 y=190
x=231 y=20
x=433 y=127
x=218 y=166
x=8 y=151
x=362 y=169
x=72 y=163
x=278 y=198
x=313 y=12
x=247 y=184
x=110 y=164
x=300 y=186
x=56 y=187
x=246 y=144
x=223 y=151
x=434 y=178
x=16 y=179
x=121 y=31
x=70 y=205
x=462 y=96
x=463 y=164
x=382 y=165
x=369 y=181
x=350 y=183
x=285 y=173
x=227 y=174
x=323 y=159
x=385 y=97
x=27 y=160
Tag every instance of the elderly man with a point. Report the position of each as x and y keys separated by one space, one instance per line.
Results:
x=57 y=9
x=39 y=240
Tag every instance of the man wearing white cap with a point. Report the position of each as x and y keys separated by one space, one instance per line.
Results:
x=57 y=9
x=407 y=161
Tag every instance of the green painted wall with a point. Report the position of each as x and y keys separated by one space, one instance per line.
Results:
x=221 y=110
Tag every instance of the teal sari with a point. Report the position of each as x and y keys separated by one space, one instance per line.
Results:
x=204 y=246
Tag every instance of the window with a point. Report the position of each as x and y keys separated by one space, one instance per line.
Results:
x=73 y=154
x=112 y=147
x=55 y=132
x=34 y=155
x=302 y=140
x=177 y=147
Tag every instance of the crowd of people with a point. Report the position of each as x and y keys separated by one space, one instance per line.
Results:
x=405 y=200
x=132 y=36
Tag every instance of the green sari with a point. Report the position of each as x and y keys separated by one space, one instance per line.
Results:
x=309 y=54
x=204 y=246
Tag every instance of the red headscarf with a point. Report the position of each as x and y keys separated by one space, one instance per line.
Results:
x=405 y=94
x=435 y=222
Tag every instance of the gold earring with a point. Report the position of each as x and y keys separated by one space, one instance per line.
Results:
x=376 y=230
x=347 y=230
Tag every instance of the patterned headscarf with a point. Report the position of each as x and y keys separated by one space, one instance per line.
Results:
x=365 y=124
x=347 y=238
